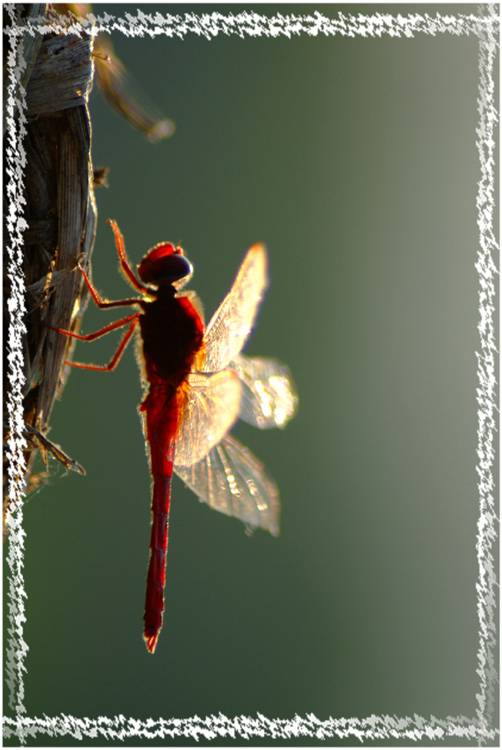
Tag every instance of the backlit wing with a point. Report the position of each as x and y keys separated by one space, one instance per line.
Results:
x=229 y=327
x=230 y=479
x=269 y=397
x=211 y=407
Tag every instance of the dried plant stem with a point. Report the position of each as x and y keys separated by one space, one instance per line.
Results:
x=60 y=212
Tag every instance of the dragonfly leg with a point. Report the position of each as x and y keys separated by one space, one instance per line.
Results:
x=103 y=304
x=124 y=261
x=132 y=320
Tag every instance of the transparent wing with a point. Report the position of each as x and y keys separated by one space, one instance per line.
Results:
x=229 y=327
x=269 y=397
x=230 y=479
x=211 y=407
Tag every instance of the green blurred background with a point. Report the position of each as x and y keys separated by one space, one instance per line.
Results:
x=354 y=160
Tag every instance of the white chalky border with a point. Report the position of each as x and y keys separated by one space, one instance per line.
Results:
x=478 y=728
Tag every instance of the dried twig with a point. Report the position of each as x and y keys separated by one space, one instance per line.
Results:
x=61 y=216
x=47 y=446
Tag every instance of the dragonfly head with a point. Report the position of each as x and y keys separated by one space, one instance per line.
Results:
x=165 y=265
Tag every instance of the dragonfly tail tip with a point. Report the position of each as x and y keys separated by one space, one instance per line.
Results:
x=151 y=642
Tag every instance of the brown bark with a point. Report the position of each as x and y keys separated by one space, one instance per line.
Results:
x=61 y=215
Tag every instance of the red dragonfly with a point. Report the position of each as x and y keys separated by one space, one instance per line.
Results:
x=197 y=383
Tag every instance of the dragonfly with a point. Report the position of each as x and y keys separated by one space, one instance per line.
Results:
x=197 y=383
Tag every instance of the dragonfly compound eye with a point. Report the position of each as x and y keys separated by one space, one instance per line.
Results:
x=164 y=264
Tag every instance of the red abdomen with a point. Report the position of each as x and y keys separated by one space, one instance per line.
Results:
x=172 y=334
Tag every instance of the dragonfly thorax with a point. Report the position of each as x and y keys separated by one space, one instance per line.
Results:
x=172 y=332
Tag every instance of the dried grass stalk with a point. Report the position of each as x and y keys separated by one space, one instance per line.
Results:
x=61 y=216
